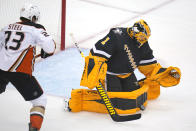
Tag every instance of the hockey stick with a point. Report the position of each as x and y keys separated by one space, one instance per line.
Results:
x=111 y=110
x=107 y=102
x=37 y=56
x=76 y=44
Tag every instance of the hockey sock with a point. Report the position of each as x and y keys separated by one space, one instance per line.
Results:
x=36 y=116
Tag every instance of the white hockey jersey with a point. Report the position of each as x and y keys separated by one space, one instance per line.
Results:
x=17 y=46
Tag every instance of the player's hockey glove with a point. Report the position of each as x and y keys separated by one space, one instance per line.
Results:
x=44 y=54
x=3 y=84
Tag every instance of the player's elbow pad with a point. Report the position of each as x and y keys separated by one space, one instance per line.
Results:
x=49 y=46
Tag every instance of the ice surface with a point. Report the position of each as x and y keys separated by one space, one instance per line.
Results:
x=70 y=67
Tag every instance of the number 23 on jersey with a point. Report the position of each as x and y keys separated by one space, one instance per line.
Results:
x=16 y=40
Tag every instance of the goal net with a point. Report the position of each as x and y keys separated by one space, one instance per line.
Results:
x=50 y=17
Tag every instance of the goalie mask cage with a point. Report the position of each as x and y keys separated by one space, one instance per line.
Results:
x=52 y=17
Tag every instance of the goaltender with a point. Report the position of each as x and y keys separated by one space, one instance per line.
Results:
x=113 y=61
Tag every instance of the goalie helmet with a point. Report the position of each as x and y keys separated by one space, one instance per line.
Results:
x=140 y=31
x=29 y=11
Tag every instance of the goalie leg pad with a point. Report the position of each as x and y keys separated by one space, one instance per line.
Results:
x=123 y=102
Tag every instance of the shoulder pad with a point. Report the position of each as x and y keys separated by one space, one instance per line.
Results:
x=116 y=31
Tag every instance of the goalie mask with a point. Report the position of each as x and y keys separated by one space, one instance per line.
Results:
x=29 y=11
x=140 y=31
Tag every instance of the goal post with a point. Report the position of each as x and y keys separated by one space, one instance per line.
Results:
x=52 y=17
x=63 y=23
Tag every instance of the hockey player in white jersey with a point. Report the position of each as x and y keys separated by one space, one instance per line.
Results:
x=17 y=57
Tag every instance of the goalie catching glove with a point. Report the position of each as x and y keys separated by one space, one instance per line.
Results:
x=157 y=76
x=94 y=70
x=166 y=77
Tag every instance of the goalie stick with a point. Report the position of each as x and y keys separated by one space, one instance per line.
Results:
x=107 y=102
x=111 y=110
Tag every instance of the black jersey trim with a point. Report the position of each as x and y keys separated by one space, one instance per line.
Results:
x=39 y=26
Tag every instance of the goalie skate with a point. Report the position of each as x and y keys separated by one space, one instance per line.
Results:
x=66 y=104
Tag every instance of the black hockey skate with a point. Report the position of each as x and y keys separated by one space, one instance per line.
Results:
x=32 y=128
